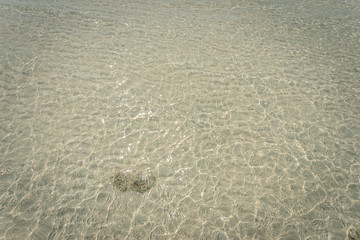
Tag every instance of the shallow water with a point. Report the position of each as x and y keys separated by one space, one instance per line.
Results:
x=246 y=112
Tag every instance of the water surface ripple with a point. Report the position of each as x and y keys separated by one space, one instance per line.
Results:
x=247 y=113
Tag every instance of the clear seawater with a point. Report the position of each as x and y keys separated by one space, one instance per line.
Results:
x=246 y=112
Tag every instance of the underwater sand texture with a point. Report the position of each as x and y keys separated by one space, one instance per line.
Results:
x=247 y=113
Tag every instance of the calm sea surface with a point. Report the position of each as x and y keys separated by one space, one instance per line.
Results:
x=247 y=113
